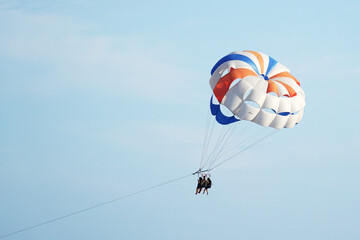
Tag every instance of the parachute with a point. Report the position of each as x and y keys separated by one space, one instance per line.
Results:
x=250 y=87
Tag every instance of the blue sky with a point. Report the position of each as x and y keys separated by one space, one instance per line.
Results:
x=102 y=99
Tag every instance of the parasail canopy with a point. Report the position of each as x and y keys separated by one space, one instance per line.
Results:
x=256 y=88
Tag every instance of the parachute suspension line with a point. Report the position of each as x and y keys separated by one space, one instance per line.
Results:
x=224 y=131
x=223 y=139
x=211 y=148
x=92 y=207
x=224 y=144
x=241 y=133
x=242 y=143
x=243 y=150
x=233 y=142
x=207 y=140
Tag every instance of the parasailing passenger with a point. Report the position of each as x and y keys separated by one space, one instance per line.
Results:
x=208 y=184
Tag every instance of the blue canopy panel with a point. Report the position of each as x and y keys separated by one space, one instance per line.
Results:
x=271 y=65
x=282 y=113
x=219 y=116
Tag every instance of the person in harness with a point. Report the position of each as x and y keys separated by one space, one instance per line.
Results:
x=208 y=184
x=201 y=184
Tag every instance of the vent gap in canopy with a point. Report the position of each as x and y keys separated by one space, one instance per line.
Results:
x=253 y=104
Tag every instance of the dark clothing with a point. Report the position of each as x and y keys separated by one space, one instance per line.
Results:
x=200 y=184
x=208 y=184
x=203 y=183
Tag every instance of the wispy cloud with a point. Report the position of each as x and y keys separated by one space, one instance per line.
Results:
x=113 y=64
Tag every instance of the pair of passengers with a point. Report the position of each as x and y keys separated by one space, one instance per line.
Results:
x=205 y=183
